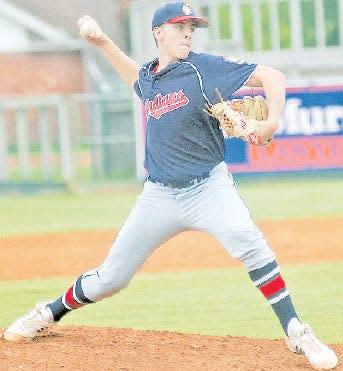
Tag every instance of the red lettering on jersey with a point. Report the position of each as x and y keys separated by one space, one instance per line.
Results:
x=163 y=104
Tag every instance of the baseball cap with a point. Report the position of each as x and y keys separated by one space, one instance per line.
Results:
x=175 y=13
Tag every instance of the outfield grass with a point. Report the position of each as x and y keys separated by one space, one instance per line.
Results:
x=268 y=199
x=64 y=212
x=214 y=302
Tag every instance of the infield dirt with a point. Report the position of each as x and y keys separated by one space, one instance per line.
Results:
x=86 y=348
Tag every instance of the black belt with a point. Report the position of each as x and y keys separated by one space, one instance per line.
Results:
x=180 y=184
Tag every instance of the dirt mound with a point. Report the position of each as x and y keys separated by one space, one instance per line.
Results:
x=84 y=348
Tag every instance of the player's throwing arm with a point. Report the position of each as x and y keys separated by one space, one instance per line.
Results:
x=126 y=67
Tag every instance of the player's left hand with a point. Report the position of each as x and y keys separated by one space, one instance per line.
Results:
x=245 y=118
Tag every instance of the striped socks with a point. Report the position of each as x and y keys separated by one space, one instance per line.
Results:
x=269 y=281
x=73 y=298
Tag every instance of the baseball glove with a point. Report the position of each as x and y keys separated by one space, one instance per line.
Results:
x=242 y=117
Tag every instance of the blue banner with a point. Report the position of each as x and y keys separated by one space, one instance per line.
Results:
x=310 y=135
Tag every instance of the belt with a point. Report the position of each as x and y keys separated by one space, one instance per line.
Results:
x=180 y=184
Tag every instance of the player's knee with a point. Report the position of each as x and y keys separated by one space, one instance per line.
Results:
x=112 y=285
x=257 y=257
x=100 y=285
x=250 y=247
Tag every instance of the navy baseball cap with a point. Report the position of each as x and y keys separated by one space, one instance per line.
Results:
x=175 y=13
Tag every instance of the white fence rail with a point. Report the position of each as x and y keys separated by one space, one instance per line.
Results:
x=78 y=138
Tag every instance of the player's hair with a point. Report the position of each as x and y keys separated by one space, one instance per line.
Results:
x=153 y=35
x=155 y=39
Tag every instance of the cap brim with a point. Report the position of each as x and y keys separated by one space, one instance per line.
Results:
x=198 y=21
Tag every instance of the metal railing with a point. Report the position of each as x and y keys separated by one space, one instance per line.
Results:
x=76 y=138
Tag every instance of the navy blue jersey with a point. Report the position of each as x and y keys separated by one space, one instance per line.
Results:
x=182 y=141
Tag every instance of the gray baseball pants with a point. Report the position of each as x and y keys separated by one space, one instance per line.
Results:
x=213 y=206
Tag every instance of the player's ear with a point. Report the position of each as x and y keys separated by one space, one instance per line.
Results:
x=157 y=33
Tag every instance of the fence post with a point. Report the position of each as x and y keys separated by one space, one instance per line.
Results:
x=320 y=23
x=296 y=25
x=64 y=141
x=340 y=22
x=3 y=149
x=237 y=35
x=275 y=25
x=256 y=8
x=44 y=139
x=23 y=143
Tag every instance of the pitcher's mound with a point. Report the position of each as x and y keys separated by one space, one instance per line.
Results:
x=86 y=348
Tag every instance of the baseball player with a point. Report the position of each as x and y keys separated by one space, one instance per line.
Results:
x=188 y=186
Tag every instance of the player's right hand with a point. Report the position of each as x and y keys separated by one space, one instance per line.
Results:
x=90 y=30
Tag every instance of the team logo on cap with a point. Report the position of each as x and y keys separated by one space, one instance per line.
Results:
x=187 y=9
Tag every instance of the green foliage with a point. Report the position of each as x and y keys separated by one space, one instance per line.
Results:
x=307 y=9
x=214 y=302
x=266 y=26
x=285 y=25
x=308 y=18
x=247 y=20
x=331 y=22
x=225 y=22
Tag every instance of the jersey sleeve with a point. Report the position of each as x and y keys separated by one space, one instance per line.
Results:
x=223 y=73
x=138 y=83
x=137 y=89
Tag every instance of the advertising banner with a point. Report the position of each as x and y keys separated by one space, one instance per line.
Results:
x=310 y=136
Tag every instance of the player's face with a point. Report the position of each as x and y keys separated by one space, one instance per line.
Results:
x=175 y=39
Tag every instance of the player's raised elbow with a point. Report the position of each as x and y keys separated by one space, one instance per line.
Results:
x=279 y=78
x=264 y=75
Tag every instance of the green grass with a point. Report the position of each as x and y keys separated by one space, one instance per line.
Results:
x=293 y=198
x=65 y=211
x=215 y=302
x=268 y=199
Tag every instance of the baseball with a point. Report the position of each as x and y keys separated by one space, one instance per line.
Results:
x=89 y=28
